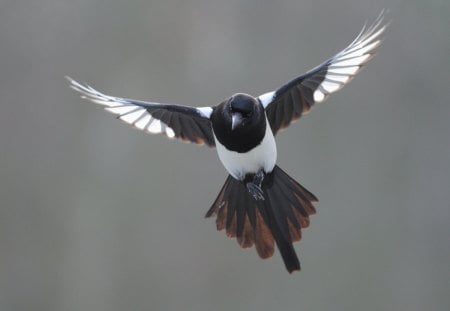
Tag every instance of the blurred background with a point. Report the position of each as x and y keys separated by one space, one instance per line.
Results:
x=95 y=215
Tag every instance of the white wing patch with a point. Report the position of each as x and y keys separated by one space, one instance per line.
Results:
x=143 y=122
x=266 y=98
x=205 y=111
x=346 y=64
x=121 y=109
x=133 y=114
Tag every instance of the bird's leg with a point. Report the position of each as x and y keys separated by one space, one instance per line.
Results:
x=253 y=183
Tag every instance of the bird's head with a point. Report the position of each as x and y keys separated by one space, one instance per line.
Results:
x=239 y=122
x=242 y=109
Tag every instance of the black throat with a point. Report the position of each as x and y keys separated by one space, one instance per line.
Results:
x=241 y=139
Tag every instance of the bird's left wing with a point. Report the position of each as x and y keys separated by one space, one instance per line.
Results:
x=189 y=124
x=296 y=98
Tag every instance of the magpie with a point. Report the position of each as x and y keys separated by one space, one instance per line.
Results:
x=259 y=204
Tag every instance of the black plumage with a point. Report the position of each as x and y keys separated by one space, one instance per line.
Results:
x=259 y=204
x=286 y=207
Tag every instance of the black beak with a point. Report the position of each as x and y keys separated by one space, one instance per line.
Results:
x=236 y=119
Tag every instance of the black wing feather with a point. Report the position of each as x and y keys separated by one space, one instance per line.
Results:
x=175 y=121
x=296 y=98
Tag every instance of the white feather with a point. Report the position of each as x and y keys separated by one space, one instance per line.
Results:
x=318 y=96
x=330 y=87
x=262 y=156
x=121 y=109
x=155 y=127
x=133 y=117
x=127 y=110
x=341 y=79
x=344 y=70
x=266 y=98
x=143 y=122
x=205 y=111
x=169 y=132
x=355 y=61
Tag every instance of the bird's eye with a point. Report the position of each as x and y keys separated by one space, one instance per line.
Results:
x=243 y=113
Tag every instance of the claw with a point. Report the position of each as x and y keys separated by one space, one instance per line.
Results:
x=254 y=186
x=255 y=191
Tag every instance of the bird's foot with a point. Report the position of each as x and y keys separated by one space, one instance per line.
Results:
x=255 y=191
x=254 y=186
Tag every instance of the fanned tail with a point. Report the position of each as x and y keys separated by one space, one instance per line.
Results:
x=278 y=218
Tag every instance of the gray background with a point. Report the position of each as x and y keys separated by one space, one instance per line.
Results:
x=97 y=216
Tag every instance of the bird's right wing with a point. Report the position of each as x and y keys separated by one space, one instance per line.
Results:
x=189 y=124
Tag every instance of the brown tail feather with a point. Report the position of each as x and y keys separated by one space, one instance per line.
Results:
x=278 y=218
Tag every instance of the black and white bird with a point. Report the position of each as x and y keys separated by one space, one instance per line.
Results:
x=259 y=203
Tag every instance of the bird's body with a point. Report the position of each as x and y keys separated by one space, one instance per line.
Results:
x=262 y=156
x=249 y=146
x=259 y=203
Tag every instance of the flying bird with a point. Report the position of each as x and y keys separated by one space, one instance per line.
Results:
x=259 y=204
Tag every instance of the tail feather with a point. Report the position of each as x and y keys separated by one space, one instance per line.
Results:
x=246 y=239
x=280 y=232
x=264 y=241
x=278 y=219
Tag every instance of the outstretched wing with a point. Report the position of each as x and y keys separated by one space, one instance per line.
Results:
x=296 y=98
x=186 y=123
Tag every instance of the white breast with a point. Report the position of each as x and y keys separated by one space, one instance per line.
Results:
x=262 y=156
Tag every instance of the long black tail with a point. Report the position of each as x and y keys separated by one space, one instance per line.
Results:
x=278 y=218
